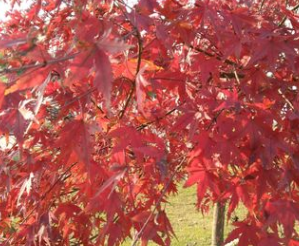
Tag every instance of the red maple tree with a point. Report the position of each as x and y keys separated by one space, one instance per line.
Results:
x=109 y=106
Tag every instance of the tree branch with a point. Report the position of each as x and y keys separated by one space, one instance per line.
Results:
x=38 y=65
x=140 y=50
x=144 y=125
x=227 y=61
x=61 y=178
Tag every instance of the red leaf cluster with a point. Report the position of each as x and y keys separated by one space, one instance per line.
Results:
x=105 y=107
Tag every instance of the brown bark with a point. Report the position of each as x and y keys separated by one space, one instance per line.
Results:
x=218 y=224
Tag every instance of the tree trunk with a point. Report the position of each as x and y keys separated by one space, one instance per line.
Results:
x=218 y=224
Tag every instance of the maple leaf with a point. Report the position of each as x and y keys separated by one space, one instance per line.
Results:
x=293 y=242
x=28 y=80
x=112 y=181
x=103 y=77
x=88 y=29
x=290 y=215
x=2 y=92
x=18 y=120
x=141 y=83
x=115 y=234
x=232 y=46
x=207 y=67
x=141 y=217
x=270 y=240
x=204 y=179
x=80 y=142
x=270 y=46
x=141 y=22
x=241 y=19
x=248 y=234
x=231 y=100
x=27 y=185
x=112 y=46
x=79 y=68
x=183 y=121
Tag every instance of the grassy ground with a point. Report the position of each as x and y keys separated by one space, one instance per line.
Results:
x=190 y=226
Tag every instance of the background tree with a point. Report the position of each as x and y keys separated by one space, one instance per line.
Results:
x=111 y=106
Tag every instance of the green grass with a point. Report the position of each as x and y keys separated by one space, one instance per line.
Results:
x=190 y=226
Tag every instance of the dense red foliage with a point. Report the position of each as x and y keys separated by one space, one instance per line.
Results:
x=111 y=106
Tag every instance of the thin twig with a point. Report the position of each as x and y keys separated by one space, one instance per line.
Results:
x=214 y=120
x=237 y=77
x=97 y=106
x=144 y=125
x=285 y=17
x=232 y=75
x=262 y=4
x=286 y=99
x=79 y=97
x=227 y=61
